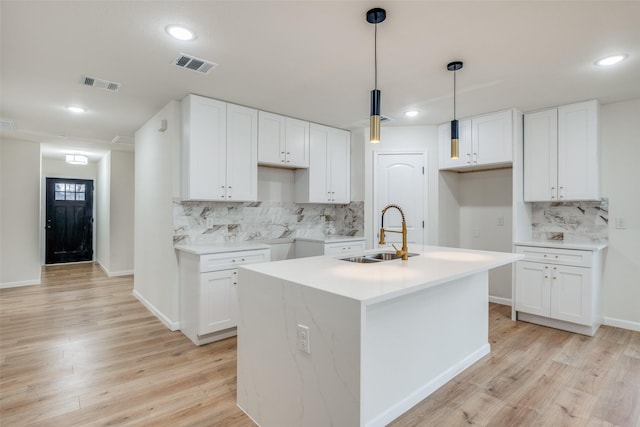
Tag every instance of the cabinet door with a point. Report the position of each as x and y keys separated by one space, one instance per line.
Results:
x=204 y=148
x=242 y=153
x=533 y=288
x=571 y=294
x=339 y=166
x=578 y=171
x=271 y=139
x=318 y=172
x=540 y=155
x=296 y=143
x=218 y=301
x=444 y=142
x=492 y=137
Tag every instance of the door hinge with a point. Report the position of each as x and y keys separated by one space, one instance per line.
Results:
x=422 y=224
x=423 y=170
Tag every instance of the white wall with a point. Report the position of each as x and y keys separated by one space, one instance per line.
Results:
x=103 y=212
x=620 y=149
x=276 y=184
x=121 y=224
x=484 y=199
x=19 y=213
x=53 y=168
x=157 y=182
x=402 y=139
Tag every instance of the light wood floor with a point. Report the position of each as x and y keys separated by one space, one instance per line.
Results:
x=80 y=350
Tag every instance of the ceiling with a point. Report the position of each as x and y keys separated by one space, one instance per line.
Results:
x=307 y=59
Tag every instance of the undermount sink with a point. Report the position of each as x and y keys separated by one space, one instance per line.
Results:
x=371 y=258
x=360 y=259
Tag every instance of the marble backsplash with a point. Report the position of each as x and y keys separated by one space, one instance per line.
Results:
x=577 y=222
x=212 y=222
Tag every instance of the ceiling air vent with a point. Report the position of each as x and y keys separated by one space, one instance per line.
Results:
x=195 y=64
x=7 y=125
x=384 y=119
x=126 y=140
x=100 y=84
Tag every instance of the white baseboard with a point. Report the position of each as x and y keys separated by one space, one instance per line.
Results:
x=6 y=285
x=624 y=324
x=500 y=300
x=414 y=398
x=114 y=273
x=174 y=326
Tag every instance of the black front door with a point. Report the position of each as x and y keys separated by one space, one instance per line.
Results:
x=69 y=221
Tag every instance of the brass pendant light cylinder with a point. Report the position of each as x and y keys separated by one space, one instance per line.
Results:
x=374 y=131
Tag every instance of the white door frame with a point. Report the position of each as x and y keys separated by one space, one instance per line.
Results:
x=375 y=223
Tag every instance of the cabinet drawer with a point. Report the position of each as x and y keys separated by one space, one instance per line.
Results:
x=212 y=262
x=556 y=256
x=338 y=248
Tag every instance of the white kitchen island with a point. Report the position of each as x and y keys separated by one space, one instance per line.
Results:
x=381 y=336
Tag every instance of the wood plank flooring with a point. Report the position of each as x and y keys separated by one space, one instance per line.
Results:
x=80 y=350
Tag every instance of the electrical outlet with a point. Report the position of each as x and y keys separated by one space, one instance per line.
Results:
x=209 y=222
x=476 y=233
x=500 y=221
x=620 y=223
x=304 y=342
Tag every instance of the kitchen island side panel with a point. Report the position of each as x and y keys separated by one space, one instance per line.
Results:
x=280 y=385
x=414 y=344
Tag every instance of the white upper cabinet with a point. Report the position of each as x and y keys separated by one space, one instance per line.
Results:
x=242 y=153
x=561 y=153
x=219 y=150
x=328 y=178
x=282 y=141
x=485 y=141
x=464 y=139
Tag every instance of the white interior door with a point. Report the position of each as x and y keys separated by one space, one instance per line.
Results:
x=399 y=179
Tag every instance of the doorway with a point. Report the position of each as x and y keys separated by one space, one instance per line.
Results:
x=399 y=179
x=68 y=220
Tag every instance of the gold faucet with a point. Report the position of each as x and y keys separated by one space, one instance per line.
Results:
x=404 y=252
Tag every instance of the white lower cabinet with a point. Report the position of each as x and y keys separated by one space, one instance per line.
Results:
x=307 y=248
x=559 y=288
x=208 y=292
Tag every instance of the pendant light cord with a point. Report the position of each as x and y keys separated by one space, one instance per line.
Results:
x=454 y=95
x=375 y=56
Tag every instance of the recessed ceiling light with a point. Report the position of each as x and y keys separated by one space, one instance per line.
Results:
x=76 y=109
x=411 y=113
x=181 y=33
x=612 y=59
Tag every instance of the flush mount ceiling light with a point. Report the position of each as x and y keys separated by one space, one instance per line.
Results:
x=411 y=113
x=76 y=159
x=455 y=143
x=180 y=32
x=611 y=59
x=375 y=16
x=76 y=109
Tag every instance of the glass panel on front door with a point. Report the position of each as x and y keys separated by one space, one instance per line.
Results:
x=65 y=191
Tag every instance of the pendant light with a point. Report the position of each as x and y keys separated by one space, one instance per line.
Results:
x=375 y=16
x=455 y=143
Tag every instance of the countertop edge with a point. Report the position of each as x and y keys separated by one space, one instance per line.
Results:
x=586 y=246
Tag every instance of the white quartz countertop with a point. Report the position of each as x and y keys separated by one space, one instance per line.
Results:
x=563 y=245
x=375 y=282
x=214 y=248
x=331 y=239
